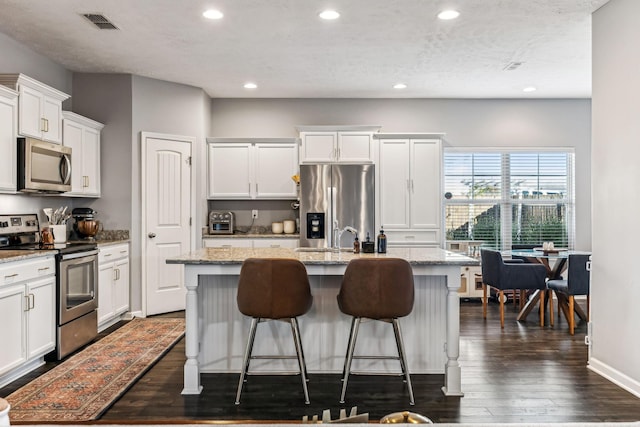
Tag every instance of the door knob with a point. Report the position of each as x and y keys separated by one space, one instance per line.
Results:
x=152 y=235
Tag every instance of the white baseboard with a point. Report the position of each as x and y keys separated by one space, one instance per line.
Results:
x=132 y=314
x=615 y=376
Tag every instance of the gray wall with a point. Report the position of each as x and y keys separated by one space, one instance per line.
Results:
x=17 y=58
x=129 y=105
x=615 y=288
x=106 y=98
x=466 y=122
x=169 y=108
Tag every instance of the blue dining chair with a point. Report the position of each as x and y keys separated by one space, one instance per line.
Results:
x=577 y=283
x=498 y=274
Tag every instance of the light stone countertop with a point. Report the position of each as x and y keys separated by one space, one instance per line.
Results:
x=19 y=255
x=251 y=236
x=226 y=256
x=102 y=243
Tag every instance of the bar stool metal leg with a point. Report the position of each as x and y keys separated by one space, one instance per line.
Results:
x=403 y=359
x=304 y=361
x=346 y=356
x=247 y=357
x=301 y=362
x=351 y=347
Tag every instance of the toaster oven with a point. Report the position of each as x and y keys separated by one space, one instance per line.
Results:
x=221 y=222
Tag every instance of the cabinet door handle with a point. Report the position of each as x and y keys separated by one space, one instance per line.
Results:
x=26 y=303
x=408 y=184
x=412 y=186
x=249 y=187
x=43 y=125
x=256 y=188
x=32 y=301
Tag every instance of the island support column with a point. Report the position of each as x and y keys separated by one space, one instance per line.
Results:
x=191 y=366
x=453 y=374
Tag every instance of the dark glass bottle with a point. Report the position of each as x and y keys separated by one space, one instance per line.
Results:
x=382 y=242
x=356 y=245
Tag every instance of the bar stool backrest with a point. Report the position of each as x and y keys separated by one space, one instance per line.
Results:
x=377 y=288
x=273 y=288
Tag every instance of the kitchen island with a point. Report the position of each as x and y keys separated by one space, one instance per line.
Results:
x=216 y=331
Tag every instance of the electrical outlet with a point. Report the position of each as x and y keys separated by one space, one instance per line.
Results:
x=254 y=213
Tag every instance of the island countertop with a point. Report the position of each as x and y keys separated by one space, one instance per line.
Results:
x=226 y=256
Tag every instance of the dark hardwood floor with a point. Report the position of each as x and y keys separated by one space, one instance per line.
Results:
x=523 y=373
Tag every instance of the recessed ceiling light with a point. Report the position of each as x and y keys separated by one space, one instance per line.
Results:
x=399 y=86
x=212 y=14
x=329 y=14
x=250 y=85
x=529 y=89
x=445 y=15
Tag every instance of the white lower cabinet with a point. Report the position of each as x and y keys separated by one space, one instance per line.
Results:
x=216 y=242
x=27 y=306
x=113 y=284
x=470 y=282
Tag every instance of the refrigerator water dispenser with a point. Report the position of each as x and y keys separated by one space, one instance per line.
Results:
x=315 y=225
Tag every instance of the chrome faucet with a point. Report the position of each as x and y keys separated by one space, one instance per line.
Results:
x=337 y=233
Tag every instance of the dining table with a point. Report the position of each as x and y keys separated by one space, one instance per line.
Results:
x=555 y=260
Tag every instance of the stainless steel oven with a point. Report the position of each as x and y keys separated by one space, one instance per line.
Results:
x=77 y=300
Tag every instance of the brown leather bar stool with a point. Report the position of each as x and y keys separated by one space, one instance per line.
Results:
x=273 y=289
x=378 y=289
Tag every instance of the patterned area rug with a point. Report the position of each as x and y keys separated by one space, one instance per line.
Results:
x=84 y=386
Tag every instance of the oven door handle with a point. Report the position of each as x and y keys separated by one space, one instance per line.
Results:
x=79 y=254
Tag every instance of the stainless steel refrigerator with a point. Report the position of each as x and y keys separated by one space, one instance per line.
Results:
x=332 y=197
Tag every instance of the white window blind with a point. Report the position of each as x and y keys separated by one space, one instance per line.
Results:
x=510 y=198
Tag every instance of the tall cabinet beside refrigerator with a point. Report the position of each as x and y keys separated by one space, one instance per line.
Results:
x=335 y=196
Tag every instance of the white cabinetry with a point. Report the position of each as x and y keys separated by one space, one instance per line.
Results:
x=27 y=304
x=410 y=189
x=470 y=282
x=350 y=144
x=113 y=284
x=8 y=132
x=83 y=136
x=252 y=168
x=39 y=107
x=216 y=242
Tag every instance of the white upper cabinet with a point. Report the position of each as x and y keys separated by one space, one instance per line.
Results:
x=8 y=146
x=252 y=168
x=342 y=144
x=39 y=107
x=83 y=136
x=410 y=188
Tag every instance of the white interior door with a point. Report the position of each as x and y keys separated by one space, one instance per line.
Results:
x=167 y=214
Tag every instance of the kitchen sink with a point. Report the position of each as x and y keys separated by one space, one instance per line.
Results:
x=323 y=250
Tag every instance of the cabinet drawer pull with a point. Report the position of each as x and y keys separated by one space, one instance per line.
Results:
x=123 y=252
x=10 y=276
x=106 y=255
x=43 y=269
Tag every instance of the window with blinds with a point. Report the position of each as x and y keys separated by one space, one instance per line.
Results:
x=509 y=199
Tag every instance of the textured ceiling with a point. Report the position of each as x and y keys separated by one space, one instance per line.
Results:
x=289 y=52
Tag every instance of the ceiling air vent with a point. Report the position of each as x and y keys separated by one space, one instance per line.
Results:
x=513 y=66
x=100 y=21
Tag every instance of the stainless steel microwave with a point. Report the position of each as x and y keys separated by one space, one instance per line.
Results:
x=43 y=167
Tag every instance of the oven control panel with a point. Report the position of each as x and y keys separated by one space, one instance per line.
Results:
x=13 y=224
